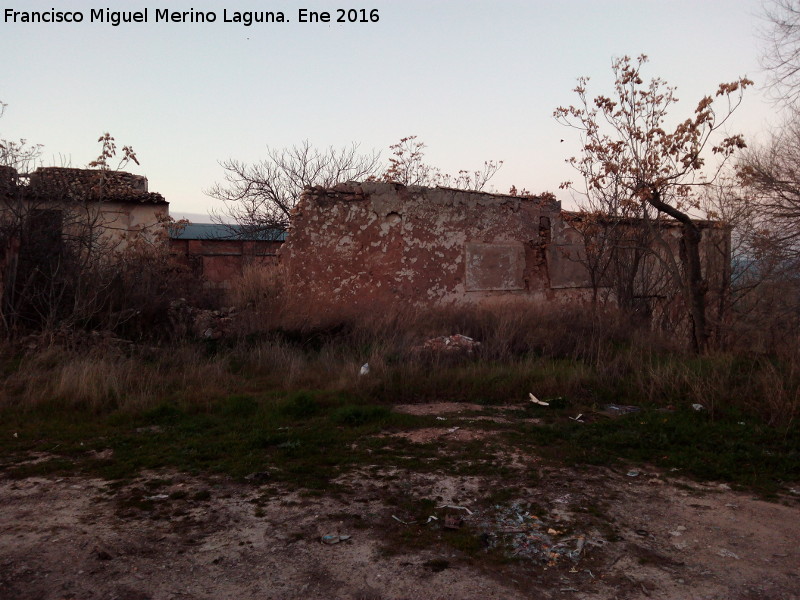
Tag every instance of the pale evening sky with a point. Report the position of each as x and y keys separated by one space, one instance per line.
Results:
x=473 y=79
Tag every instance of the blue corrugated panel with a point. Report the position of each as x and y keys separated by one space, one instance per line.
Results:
x=216 y=231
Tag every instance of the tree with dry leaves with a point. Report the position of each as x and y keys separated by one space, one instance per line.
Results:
x=407 y=166
x=632 y=160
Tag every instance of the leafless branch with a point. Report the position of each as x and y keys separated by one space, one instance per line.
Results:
x=260 y=196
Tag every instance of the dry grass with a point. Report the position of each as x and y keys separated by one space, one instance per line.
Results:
x=779 y=397
x=258 y=296
x=589 y=359
x=102 y=382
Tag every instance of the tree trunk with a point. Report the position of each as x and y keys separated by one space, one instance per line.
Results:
x=693 y=284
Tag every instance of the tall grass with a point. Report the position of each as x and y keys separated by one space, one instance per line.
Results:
x=102 y=381
x=257 y=293
x=589 y=359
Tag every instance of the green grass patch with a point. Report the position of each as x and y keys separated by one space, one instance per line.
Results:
x=358 y=416
x=746 y=453
x=306 y=438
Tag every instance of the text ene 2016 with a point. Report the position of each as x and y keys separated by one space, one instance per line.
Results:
x=354 y=15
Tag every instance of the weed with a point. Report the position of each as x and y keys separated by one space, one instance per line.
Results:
x=301 y=405
x=357 y=416
x=692 y=441
x=239 y=407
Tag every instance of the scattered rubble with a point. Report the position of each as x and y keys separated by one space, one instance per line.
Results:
x=201 y=322
x=75 y=340
x=449 y=345
x=620 y=409
x=535 y=537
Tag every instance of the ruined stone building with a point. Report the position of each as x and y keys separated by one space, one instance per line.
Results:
x=357 y=247
x=375 y=246
x=59 y=228
x=109 y=209
x=90 y=210
x=115 y=203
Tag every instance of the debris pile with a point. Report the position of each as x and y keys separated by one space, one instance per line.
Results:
x=201 y=322
x=449 y=345
x=526 y=535
x=102 y=341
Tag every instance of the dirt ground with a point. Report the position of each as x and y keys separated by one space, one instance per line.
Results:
x=595 y=533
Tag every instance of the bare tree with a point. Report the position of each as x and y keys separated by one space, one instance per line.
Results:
x=762 y=306
x=766 y=293
x=781 y=54
x=259 y=197
x=630 y=159
x=772 y=173
x=767 y=240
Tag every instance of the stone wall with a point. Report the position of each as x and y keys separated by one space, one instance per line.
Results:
x=372 y=246
x=116 y=202
x=365 y=248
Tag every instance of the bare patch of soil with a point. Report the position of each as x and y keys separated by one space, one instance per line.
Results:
x=463 y=412
x=575 y=534
x=438 y=408
x=426 y=435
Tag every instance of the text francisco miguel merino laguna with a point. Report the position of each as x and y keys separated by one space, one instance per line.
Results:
x=165 y=15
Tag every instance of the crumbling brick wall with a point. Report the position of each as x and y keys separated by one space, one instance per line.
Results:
x=358 y=249
x=374 y=246
x=219 y=262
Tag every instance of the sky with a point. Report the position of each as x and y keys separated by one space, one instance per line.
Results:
x=475 y=80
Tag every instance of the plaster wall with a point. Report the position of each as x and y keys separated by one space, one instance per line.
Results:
x=374 y=246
